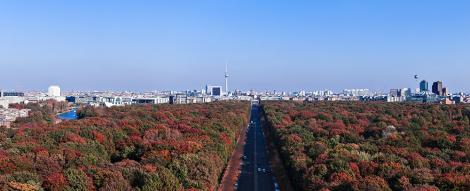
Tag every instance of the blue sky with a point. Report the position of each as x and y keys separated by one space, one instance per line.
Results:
x=270 y=45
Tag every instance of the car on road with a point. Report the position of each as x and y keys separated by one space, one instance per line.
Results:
x=259 y=169
x=244 y=157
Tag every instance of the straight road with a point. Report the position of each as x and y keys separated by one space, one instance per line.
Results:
x=256 y=171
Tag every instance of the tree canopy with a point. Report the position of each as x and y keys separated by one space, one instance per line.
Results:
x=372 y=145
x=147 y=147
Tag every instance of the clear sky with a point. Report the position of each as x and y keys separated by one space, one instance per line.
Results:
x=270 y=45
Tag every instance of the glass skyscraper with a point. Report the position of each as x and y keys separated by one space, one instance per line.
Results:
x=423 y=86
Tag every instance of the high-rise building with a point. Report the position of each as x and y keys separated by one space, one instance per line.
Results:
x=437 y=88
x=214 y=90
x=445 y=92
x=423 y=86
x=53 y=91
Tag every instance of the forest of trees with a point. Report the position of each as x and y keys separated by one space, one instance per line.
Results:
x=372 y=146
x=148 y=147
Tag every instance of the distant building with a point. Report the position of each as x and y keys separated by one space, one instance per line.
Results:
x=445 y=92
x=110 y=101
x=395 y=93
x=53 y=91
x=356 y=92
x=71 y=99
x=437 y=88
x=81 y=99
x=322 y=93
x=458 y=99
x=424 y=97
x=376 y=98
x=396 y=99
x=7 y=98
x=172 y=99
x=423 y=86
x=406 y=92
x=181 y=99
x=447 y=101
x=203 y=99
x=214 y=90
x=11 y=94
x=154 y=100
x=301 y=93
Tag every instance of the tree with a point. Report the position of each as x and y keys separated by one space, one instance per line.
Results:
x=77 y=179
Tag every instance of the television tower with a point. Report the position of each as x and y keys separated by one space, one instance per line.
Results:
x=226 y=78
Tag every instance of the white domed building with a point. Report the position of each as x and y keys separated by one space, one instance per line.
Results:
x=53 y=91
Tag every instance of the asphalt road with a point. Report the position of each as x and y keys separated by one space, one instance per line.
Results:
x=252 y=176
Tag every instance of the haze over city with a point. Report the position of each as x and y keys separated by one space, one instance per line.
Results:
x=269 y=45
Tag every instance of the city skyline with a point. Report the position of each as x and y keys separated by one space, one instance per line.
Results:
x=269 y=45
x=417 y=87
